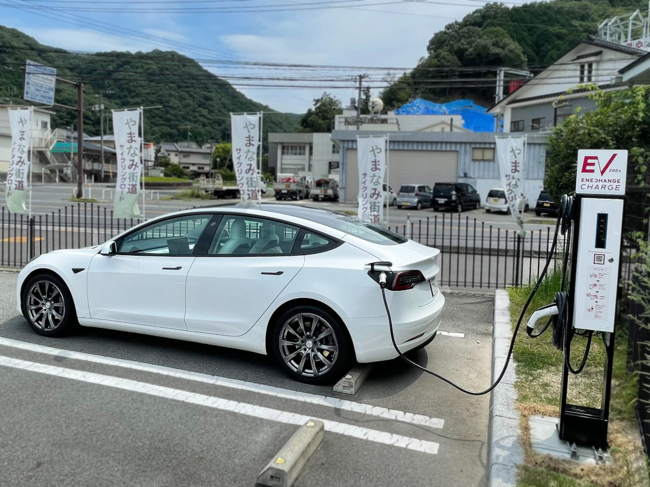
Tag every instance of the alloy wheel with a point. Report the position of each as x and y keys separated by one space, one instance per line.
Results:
x=45 y=305
x=308 y=345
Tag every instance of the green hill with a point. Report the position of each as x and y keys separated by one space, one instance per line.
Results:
x=189 y=94
x=531 y=37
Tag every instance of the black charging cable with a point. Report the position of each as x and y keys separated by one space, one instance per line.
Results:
x=382 y=285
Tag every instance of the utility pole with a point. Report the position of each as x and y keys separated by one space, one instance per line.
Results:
x=100 y=108
x=359 y=104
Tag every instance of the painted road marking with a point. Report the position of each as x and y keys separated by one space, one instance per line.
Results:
x=450 y=334
x=222 y=404
x=332 y=402
x=20 y=239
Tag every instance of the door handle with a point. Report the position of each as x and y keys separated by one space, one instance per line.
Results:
x=279 y=273
x=172 y=268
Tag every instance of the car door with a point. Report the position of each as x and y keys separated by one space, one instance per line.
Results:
x=247 y=265
x=144 y=283
x=475 y=197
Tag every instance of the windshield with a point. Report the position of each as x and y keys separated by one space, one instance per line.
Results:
x=445 y=189
x=344 y=223
x=496 y=193
x=407 y=189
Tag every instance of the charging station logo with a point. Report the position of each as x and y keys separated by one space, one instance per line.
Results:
x=601 y=172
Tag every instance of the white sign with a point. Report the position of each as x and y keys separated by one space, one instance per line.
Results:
x=128 y=144
x=245 y=144
x=372 y=169
x=601 y=172
x=40 y=83
x=511 y=152
x=20 y=122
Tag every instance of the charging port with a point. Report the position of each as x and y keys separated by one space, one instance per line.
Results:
x=601 y=230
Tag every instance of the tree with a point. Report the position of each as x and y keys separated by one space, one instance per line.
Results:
x=222 y=153
x=621 y=120
x=321 y=117
x=366 y=96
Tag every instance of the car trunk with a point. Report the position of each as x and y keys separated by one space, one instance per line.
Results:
x=496 y=197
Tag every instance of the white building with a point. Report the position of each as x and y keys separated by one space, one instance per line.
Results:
x=304 y=154
x=545 y=101
x=390 y=122
x=189 y=156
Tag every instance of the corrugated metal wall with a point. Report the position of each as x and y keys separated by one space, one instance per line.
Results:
x=535 y=157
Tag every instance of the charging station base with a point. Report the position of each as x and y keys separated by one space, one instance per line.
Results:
x=545 y=440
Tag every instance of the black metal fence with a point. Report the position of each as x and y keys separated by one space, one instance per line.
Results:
x=473 y=254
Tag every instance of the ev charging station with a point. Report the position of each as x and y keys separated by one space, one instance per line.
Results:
x=588 y=308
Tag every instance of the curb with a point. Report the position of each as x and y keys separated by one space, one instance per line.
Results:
x=506 y=451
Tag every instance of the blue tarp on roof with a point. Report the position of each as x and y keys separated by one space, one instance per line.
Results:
x=475 y=117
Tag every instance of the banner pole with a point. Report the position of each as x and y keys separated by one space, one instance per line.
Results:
x=259 y=192
x=144 y=193
x=388 y=202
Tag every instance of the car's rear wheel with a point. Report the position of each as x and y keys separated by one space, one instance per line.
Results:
x=419 y=206
x=459 y=207
x=311 y=345
x=47 y=305
x=487 y=210
x=526 y=208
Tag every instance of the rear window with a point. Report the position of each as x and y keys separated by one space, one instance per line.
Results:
x=445 y=189
x=407 y=189
x=544 y=196
x=496 y=193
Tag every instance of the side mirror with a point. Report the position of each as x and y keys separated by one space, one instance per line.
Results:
x=109 y=249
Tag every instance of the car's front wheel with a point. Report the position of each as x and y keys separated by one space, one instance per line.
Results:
x=47 y=305
x=311 y=345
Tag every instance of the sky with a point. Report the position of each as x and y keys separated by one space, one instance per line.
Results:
x=387 y=33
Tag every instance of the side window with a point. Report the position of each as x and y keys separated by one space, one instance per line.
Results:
x=176 y=236
x=240 y=235
x=423 y=189
x=313 y=243
x=471 y=189
x=427 y=189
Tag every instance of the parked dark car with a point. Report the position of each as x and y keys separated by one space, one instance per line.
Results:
x=414 y=195
x=545 y=204
x=455 y=197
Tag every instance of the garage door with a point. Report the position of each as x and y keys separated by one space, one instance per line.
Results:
x=416 y=167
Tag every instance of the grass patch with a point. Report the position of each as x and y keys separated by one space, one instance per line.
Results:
x=191 y=194
x=538 y=385
x=163 y=179
x=84 y=200
x=539 y=477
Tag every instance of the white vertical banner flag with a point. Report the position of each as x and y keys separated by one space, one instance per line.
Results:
x=511 y=153
x=245 y=144
x=371 y=156
x=128 y=144
x=18 y=180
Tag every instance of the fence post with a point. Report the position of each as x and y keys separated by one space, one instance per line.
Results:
x=518 y=260
x=31 y=238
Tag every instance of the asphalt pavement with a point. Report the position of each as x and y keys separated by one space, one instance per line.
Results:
x=110 y=408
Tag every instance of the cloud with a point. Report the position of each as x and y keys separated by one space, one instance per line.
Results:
x=166 y=34
x=351 y=37
x=85 y=40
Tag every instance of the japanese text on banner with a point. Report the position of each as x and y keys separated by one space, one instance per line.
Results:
x=128 y=144
x=245 y=144
x=372 y=170
x=510 y=155
x=20 y=121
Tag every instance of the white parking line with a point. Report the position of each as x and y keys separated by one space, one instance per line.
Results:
x=222 y=404
x=306 y=397
x=450 y=334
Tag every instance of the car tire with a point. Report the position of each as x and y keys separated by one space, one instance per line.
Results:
x=537 y=213
x=300 y=360
x=459 y=207
x=399 y=207
x=477 y=205
x=45 y=294
x=394 y=202
x=487 y=210
x=526 y=208
x=419 y=206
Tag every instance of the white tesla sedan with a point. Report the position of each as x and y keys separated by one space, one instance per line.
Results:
x=285 y=280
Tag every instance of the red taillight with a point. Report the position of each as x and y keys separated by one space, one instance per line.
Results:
x=407 y=280
x=416 y=193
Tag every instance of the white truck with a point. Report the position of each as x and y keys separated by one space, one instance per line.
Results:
x=290 y=186
x=214 y=185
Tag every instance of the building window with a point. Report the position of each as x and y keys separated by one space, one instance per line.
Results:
x=537 y=123
x=293 y=150
x=200 y=168
x=517 y=126
x=205 y=157
x=335 y=149
x=44 y=124
x=586 y=72
x=186 y=167
x=186 y=156
x=482 y=154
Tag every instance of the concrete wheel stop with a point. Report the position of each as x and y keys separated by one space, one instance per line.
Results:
x=285 y=467
x=353 y=380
